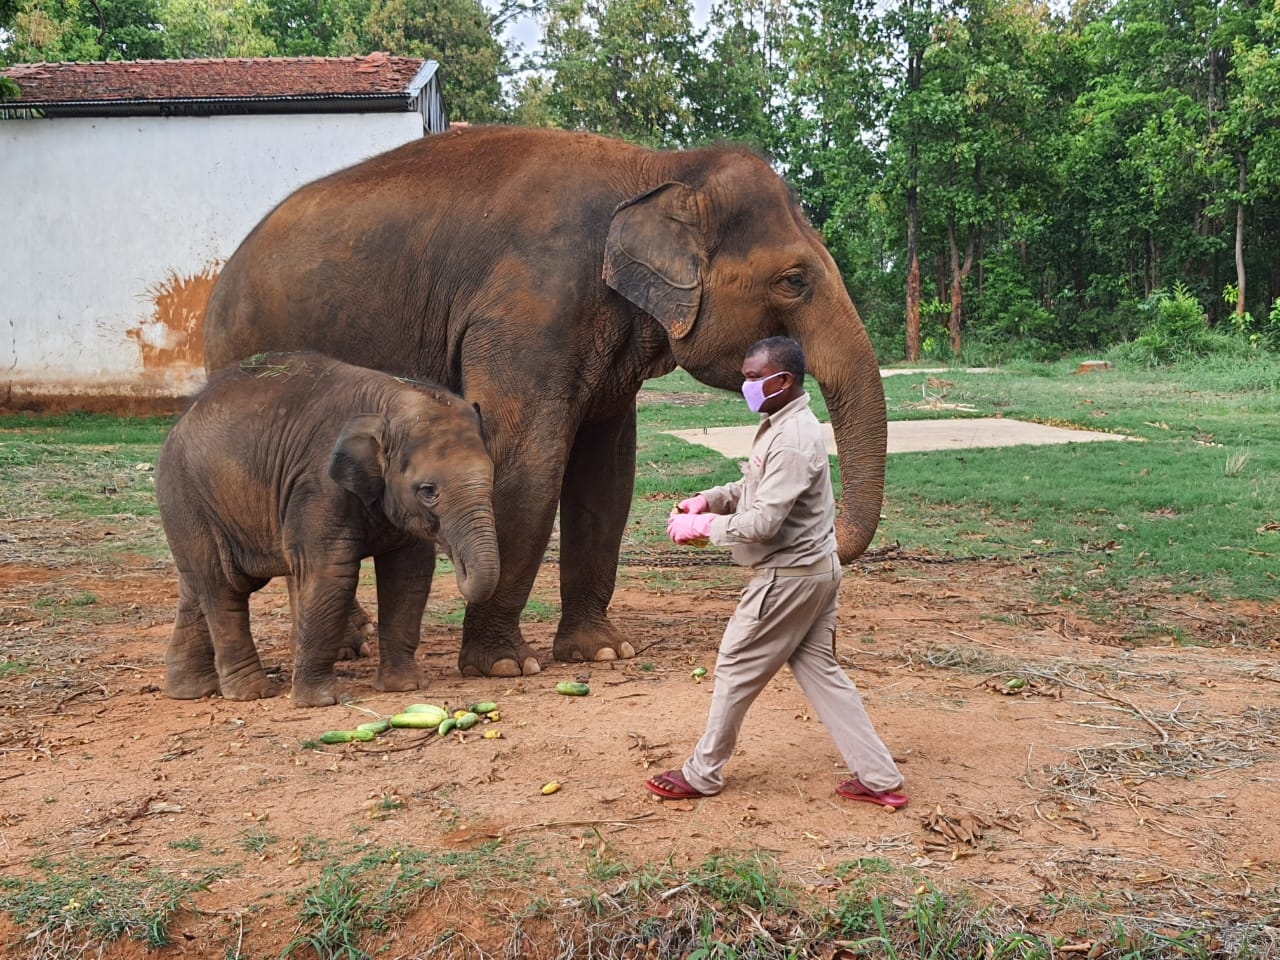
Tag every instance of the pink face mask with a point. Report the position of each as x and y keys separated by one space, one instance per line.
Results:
x=753 y=391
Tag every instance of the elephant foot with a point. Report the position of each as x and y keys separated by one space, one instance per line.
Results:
x=358 y=639
x=191 y=687
x=253 y=685
x=591 y=642
x=399 y=680
x=515 y=660
x=317 y=695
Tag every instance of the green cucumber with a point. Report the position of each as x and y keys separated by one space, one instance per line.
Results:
x=345 y=736
x=572 y=688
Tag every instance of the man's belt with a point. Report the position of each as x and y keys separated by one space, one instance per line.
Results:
x=828 y=564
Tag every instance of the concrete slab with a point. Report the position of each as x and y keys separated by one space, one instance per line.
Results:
x=899 y=371
x=909 y=436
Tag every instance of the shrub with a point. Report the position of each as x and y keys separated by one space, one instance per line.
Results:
x=1176 y=327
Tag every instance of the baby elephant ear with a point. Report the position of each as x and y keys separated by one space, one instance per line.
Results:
x=655 y=255
x=358 y=462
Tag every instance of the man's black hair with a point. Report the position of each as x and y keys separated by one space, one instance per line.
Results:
x=783 y=352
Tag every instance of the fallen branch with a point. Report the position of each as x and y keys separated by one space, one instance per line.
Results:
x=553 y=824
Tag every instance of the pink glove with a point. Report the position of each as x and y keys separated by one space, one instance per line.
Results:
x=696 y=504
x=688 y=527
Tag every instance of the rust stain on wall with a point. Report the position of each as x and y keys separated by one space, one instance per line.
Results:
x=174 y=336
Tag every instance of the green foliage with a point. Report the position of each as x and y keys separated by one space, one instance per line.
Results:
x=216 y=28
x=620 y=67
x=318 y=28
x=460 y=35
x=730 y=90
x=57 y=30
x=1008 y=317
x=1085 y=160
x=1176 y=327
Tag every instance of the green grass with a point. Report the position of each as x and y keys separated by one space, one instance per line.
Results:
x=14 y=668
x=1188 y=510
x=78 y=465
x=63 y=905
x=1181 y=511
x=731 y=905
x=258 y=842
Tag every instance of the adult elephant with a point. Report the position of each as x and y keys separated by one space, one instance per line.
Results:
x=545 y=275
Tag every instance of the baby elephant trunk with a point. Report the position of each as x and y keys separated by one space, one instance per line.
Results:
x=472 y=545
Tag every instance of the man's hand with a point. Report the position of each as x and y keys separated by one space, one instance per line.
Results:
x=696 y=504
x=685 y=528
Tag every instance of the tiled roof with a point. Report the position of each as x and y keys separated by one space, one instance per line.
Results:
x=374 y=75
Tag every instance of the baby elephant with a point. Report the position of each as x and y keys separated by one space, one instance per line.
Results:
x=294 y=464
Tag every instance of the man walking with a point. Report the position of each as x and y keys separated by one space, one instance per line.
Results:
x=779 y=520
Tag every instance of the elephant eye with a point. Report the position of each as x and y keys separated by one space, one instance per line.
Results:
x=793 y=283
x=428 y=493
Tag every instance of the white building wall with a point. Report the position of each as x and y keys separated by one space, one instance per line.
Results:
x=116 y=227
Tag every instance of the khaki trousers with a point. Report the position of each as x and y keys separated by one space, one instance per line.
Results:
x=788 y=615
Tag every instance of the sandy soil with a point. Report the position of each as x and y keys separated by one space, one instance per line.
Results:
x=1141 y=776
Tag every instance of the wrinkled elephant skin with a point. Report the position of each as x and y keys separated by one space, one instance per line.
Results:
x=297 y=465
x=545 y=275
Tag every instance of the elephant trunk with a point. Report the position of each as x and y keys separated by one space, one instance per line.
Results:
x=843 y=361
x=473 y=548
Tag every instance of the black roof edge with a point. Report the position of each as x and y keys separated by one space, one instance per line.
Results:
x=209 y=106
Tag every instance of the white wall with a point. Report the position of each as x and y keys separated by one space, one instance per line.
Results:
x=115 y=227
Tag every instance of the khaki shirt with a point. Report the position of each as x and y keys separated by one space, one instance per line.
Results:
x=782 y=513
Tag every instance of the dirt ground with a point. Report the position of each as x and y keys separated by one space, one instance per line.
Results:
x=1138 y=776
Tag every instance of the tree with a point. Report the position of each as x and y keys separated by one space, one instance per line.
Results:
x=459 y=34
x=621 y=67
x=986 y=100
x=317 y=28
x=212 y=28
x=85 y=30
x=1249 y=133
x=831 y=117
x=733 y=89
x=912 y=23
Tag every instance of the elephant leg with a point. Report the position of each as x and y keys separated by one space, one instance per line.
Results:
x=325 y=594
x=596 y=499
x=190 y=672
x=404 y=583
x=360 y=628
x=240 y=673
x=524 y=509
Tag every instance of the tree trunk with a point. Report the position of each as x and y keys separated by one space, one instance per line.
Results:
x=915 y=68
x=913 y=309
x=1240 y=301
x=913 y=264
x=959 y=274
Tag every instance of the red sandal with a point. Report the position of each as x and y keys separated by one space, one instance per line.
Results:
x=673 y=786
x=852 y=789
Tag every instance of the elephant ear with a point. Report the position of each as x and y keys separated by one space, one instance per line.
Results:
x=357 y=462
x=654 y=255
